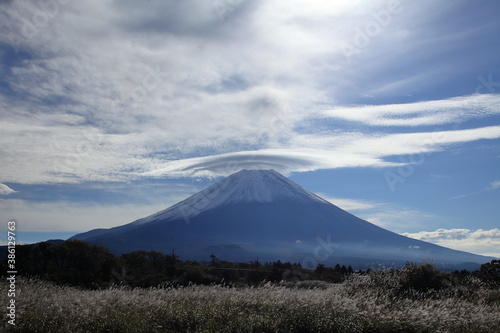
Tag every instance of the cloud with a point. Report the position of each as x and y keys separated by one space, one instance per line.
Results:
x=69 y=155
x=486 y=242
x=491 y=187
x=194 y=89
x=282 y=160
x=5 y=190
x=465 y=195
x=396 y=218
x=494 y=185
x=350 y=204
x=437 y=112
x=383 y=214
x=360 y=151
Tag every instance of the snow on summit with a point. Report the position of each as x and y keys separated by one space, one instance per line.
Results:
x=243 y=186
x=262 y=186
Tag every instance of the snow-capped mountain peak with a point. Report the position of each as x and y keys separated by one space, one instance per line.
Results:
x=243 y=186
x=260 y=186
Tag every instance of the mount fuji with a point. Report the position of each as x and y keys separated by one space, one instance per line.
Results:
x=261 y=213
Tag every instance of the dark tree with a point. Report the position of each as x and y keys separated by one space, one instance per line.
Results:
x=490 y=272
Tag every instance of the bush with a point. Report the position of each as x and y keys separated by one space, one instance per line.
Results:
x=490 y=272
x=422 y=278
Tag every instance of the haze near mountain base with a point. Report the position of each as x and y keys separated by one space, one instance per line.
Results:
x=261 y=213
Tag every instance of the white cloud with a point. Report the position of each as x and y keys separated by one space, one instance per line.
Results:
x=177 y=90
x=423 y=142
x=360 y=151
x=465 y=195
x=350 y=204
x=63 y=154
x=5 y=190
x=486 y=242
x=436 y=112
x=396 y=218
x=385 y=215
x=282 y=160
x=494 y=185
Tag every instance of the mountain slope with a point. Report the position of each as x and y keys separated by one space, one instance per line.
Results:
x=262 y=213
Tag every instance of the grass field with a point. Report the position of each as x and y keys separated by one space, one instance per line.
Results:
x=363 y=303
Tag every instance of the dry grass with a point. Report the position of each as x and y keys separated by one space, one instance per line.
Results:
x=363 y=303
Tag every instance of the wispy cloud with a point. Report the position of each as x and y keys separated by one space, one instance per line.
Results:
x=351 y=204
x=5 y=190
x=494 y=185
x=360 y=151
x=386 y=215
x=491 y=187
x=465 y=195
x=397 y=218
x=63 y=154
x=426 y=113
x=282 y=160
x=486 y=242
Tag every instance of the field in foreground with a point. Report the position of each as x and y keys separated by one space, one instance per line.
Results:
x=362 y=303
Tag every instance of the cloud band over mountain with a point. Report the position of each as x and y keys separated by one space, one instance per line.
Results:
x=91 y=154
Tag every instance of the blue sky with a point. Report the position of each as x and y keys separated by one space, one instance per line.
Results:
x=113 y=110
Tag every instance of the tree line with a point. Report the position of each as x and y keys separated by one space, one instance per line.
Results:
x=81 y=264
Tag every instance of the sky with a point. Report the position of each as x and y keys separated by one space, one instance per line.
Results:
x=113 y=110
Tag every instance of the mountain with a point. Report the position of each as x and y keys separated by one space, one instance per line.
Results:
x=260 y=213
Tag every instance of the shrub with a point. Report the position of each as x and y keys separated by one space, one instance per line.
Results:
x=490 y=272
x=421 y=278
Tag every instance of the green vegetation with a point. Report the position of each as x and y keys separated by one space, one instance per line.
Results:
x=84 y=288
